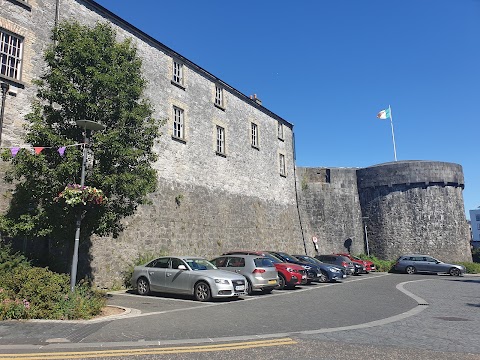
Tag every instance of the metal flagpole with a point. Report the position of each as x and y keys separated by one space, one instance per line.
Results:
x=393 y=135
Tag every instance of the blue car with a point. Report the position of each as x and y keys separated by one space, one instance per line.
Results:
x=329 y=272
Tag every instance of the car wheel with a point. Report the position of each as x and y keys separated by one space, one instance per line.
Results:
x=323 y=277
x=143 y=287
x=249 y=288
x=267 y=290
x=410 y=270
x=202 y=291
x=281 y=282
x=454 y=272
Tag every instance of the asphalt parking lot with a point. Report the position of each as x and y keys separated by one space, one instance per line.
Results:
x=424 y=312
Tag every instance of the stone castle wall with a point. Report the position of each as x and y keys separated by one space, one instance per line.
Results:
x=415 y=207
x=207 y=204
x=330 y=209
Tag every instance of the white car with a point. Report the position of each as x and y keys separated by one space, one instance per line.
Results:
x=187 y=275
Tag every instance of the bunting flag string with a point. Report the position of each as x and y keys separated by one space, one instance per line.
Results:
x=38 y=149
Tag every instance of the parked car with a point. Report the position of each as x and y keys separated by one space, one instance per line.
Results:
x=339 y=261
x=187 y=275
x=289 y=275
x=359 y=268
x=313 y=271
x=413 y=263
x=369 y=265
x=329 y=272
x=259 y=271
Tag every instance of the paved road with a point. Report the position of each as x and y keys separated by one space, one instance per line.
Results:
x=371 y=314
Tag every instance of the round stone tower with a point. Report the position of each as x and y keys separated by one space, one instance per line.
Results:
x=414 y=207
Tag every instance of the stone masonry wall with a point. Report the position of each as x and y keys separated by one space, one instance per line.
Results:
x=330 y=209
x=205 y=203
x=200 y=222
x=415 y=207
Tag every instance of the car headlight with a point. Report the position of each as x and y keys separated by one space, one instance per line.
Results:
x=307 y=267
x=334 y=270
x=222 y=281
x=290 y=269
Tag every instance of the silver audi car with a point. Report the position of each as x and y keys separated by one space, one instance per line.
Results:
x=187 y=275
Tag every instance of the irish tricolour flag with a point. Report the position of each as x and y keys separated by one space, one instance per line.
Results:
x=384 y=114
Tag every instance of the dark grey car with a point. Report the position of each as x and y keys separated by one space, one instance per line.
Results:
x=329 y=272
x=259 y=271
x=338 y=260
x=413 y=263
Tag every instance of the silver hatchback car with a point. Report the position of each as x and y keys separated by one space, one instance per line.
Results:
x=187 y=275
x=259 y=271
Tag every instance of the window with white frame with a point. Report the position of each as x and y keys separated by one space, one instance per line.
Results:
x=218 y=96
x=280 y=130
x=254 y=135
x=177 y=72
x=282 y=164
x=220 y=140
x=11 y=48
x=178 y=123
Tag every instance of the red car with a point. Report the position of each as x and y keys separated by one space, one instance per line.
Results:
x=369 y=266
x=289 y=275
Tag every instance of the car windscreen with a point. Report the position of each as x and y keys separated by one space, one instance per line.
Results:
x=273 y=259
x=305 y=258
x=200 y=264
x=263 y=262
x=289 y=258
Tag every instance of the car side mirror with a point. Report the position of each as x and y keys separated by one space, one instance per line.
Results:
x=182 y=267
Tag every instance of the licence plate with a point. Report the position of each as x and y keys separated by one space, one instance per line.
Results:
x=344 y=276
x=304 y=277
x=272 y=281
x=240 y=287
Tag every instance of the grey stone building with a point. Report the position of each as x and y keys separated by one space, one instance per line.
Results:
x=227 y=177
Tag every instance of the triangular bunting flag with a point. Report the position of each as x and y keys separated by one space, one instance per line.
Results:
x=14 y=151
x=38 y=149
x=61 y=150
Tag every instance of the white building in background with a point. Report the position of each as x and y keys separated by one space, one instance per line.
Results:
x=475 y=224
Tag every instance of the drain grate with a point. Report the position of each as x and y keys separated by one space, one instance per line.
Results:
x=452 y=318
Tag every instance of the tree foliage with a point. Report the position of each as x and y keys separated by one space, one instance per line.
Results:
x=88 y=75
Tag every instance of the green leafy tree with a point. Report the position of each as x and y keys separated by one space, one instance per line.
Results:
x=89 y=75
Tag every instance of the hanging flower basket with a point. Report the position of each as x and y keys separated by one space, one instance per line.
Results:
x=75 y=194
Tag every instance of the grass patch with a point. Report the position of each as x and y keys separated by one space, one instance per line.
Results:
x=380 y=265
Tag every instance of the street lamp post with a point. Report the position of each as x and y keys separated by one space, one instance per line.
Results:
x=87 y=125
x=5 y=87
x=366 y=235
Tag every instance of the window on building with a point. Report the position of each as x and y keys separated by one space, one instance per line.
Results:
x=218 y=96
x=478 y=226
x=177 y=73
x=11 y=48
x=220 y=140
x=280 y=130
x=477 y=217
x=282 y=165
x=178 y=123
x=254 y=135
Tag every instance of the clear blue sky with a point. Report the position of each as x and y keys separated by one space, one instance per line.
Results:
x=329 y=66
